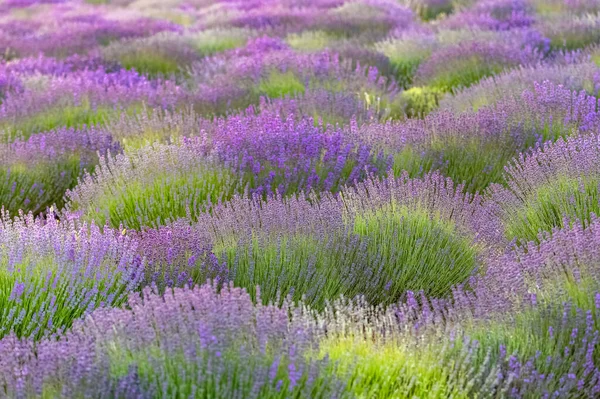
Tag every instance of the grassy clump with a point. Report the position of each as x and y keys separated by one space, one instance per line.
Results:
x=278 y=84
x=150 y=62
x=161 y=198
x=213 y=41
x=385 y=253
x=474 y=162
x=420 y=101
x=477 y=159
x=463 y=72
x=405 y=56
x=399 y=368
x=289 y=264
x=80 y=115
x=418 y=251
x=548 y=205
x=310 y=40
x=431 y=12
x=76 y=116
x=572 y=33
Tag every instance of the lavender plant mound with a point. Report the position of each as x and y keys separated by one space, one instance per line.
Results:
x=38 y=171
x=325 y=107
x=465 y=64
x=555 y=185
x=72 y=29
x=282 y=154
x=378 y=240
x=150 y=125
x=575 y=77
x=431 y=9
x=80 y=98
x=152 y=186
x=572 y=33
x=268 y=67
x=562 y=266
x=494 y=15
x=55 y=272
x=178 y=255
x=540 y=303
x=474 y=147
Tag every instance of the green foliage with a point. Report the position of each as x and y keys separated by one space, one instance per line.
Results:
x=474 y=162
x=160 y=198
x=543 y=330
x=209 y=42
x=418 y=250
x=385 y=253
x=573 y=34
x=152 y=63
x=420 y=101
x=463 y=72
x=397 y=369
x=177 y=374
x=405 y=56
x=428 y=13
x=58 y=305
x=310 y=40
x=548 y=206
x=282 y=265
x=60 y=116
x=279 y=84
x=66 y=115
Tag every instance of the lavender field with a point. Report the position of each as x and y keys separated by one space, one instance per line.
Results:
x=299 y=199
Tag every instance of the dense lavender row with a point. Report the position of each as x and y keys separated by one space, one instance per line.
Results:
x=299 y=199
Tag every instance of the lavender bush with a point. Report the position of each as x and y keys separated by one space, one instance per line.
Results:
x=55 y=272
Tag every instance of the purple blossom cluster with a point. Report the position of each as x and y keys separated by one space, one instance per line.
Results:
x=283 y=154
x=494 y=15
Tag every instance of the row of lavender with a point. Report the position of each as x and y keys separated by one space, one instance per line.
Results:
x=325 y=198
